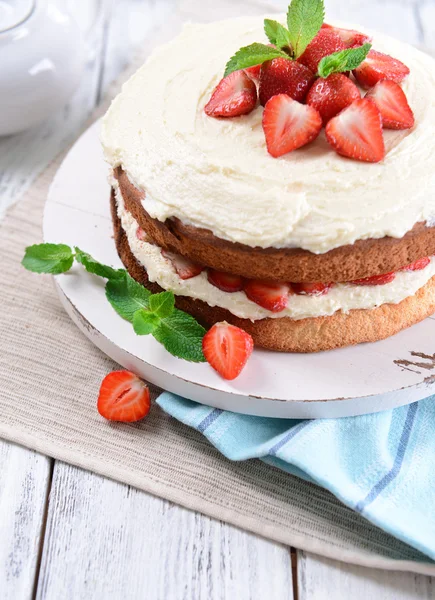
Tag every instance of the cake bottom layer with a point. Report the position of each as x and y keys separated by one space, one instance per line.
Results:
x=305 y=335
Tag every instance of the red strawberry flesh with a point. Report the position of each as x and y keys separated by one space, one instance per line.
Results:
x=289 y=125
x=378 y=66
x=418 y=265
x=235 y=95
x=284 y=76
x=225 y=281
x=271 y=296
x=123 y=397
x=350 y=37
x=392 y=104
x=375 y=279
x=357 y=132
x=326 y=42
x=331 y=95
x=185 y=268
x=227 y=349
x=311 y=289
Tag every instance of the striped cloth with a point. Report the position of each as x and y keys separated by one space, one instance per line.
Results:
x=381 y=465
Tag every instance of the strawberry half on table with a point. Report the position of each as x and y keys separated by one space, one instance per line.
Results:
x=227 y=349
x=123 y=397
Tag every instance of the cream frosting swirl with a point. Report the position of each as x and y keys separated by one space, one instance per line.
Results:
x=217 y=174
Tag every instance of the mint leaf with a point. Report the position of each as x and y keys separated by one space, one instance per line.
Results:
x=162 y=304
x=277 y=34
x=345 y=60
x=304 y=20
x=144 y=322
x=48 y=258
x=127 y=296
x=93 y=266
x=181 y=335
x=249 y=56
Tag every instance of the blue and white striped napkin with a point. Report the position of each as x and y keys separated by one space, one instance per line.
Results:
x=381 y=465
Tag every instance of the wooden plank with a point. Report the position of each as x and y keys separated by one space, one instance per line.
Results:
x=107 y=540
x=322 y=579
x=24 y=485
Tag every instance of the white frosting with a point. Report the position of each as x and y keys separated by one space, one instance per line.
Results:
x=217 y=174
x=344 y=297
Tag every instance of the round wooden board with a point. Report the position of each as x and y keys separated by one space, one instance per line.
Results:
x=350 y=381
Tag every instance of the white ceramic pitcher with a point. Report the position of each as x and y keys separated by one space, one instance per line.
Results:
x=42 y=56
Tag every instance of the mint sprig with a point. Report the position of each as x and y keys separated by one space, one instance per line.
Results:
x=304 y=21
x=277 y=34
x=249 y=56
x=153 y=314
x=343 y=61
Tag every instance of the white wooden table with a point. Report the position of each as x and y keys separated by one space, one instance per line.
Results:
x=66 y=534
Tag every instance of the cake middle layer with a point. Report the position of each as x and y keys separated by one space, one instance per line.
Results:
x=341 y=297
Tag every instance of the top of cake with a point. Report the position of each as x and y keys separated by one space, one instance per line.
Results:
x=217 y=173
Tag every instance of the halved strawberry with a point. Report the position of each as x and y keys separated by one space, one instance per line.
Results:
x=350 y=37
x=311 y=289
x=235 y=95
x=185 y=268
x=418 y=265
x=392 y=104
x=227 y=349
x=269 y=295
x=141 y=235
x=225 y=281
x=289 y=125
x=326 y=42
x=331 y=95
x=254 y=72
x=357 y=132
x=378 y=66
x=375 y=279
x=123 y=397
x=284 y=76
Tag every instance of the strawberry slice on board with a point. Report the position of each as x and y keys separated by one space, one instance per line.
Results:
x=376 y=279
x=289 y=125
x=123 y=397
x=332 y=95
x=311 y=289
x=350 y=37
x=271 y=296
x=378 y=66
x=227 y=349
x=418 y=265
x=326 y=42
x=392 y=104
x=284 y=76
x=185 y=268
x=357 y=132
x=235 y=95
x=225 y=281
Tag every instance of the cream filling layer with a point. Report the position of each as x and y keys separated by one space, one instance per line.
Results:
x=344 y=297
x=217 y=173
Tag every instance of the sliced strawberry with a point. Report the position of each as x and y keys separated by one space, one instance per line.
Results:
x=284 y=76
x=331 y=95
x=311 y=289
x=185 y=268
x=269 y=295
x=418 y=265
x=289 y=125
x=392 y=104
x=349 y=37
x=375 y=279
x=357 y=132
x=378 y=66
x=235 y=95
x=225 y=281
x=141 y=235
x=254 y=72
x=227 y=349
x=326 y=42
x=123 y=397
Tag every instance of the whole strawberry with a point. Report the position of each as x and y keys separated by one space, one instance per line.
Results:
x=331 y=95
x=284 y=76
x=326 y=42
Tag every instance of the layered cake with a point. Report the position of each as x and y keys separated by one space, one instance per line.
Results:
x=297 y=207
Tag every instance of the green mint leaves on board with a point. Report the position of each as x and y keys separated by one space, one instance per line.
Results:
x=343 y=61
x=252 y=55
x=48 y=258
x=153 y=314
x=304 y=20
